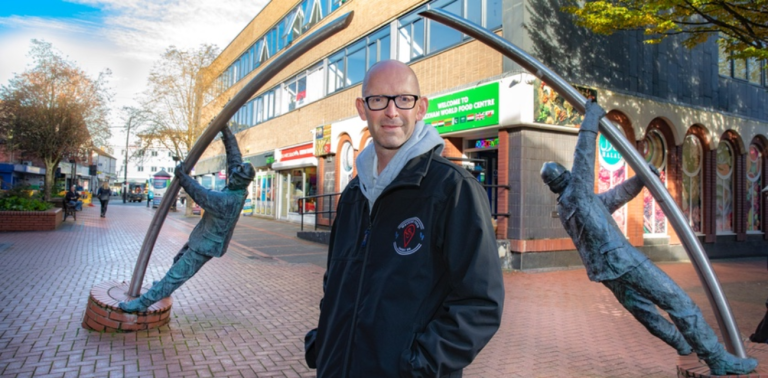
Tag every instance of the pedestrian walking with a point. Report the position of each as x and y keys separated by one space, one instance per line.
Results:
x=104 y=193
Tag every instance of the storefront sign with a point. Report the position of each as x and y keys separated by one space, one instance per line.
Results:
x=551 y=108
x=484 y=143
x=323 y=140
x=464 y=110
x=298 y=152
x=261 y=160
x=610 y=159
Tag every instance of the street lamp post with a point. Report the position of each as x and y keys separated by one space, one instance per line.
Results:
x=125 y=162
x=128 y=127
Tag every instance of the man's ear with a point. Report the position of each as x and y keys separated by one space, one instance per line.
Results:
x=422 y=108
x=360 y=105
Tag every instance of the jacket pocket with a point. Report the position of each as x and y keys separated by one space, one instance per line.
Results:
x=407 y=369
x=609 y=246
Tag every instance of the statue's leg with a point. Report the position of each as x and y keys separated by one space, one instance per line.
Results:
x=645 y=312
x=652 y=283
x=180 y=272
x=181 y=253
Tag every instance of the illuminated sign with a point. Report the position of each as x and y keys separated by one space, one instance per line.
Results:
x=610 y=158
x=484 y=143
x=468 y=109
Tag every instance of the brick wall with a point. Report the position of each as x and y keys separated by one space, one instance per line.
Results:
x=30 y=220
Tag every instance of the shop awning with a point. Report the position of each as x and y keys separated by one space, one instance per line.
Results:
x=297 y=163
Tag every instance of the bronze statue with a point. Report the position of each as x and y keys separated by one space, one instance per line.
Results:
x=212 y=234
x=636 y=282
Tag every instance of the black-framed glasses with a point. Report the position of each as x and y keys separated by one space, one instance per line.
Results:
x=380 y=102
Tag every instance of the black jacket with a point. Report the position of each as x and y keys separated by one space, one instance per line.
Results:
x=416 y=289
x=72 y=196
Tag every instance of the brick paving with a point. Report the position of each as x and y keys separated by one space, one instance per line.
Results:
x=245 y=315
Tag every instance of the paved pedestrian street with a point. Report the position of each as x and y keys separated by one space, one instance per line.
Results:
x=245 y=314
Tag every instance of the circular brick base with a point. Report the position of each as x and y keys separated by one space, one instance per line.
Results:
x=103 y=314
x=690 y=366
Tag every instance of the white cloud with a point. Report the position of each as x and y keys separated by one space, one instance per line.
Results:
x=131 y=36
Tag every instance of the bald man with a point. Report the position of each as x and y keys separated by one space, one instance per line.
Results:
x=414 y=285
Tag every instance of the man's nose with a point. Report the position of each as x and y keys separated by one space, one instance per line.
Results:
x=391 y=110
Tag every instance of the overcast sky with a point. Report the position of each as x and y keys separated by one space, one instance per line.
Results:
x=126 y=36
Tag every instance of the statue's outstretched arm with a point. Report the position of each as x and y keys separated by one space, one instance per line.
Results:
x=205 y=198
x=583 y=171
x=233 y=151
x=624 y=192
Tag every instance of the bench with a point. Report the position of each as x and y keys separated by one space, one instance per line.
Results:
x=69 y=209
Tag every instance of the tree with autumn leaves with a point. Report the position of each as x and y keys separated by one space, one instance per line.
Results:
x=741 y=25
x=171 y=105
x=54 y=110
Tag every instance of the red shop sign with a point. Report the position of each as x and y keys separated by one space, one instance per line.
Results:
x=298 y=152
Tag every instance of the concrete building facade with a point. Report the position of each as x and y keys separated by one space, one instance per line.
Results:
x=701 y=119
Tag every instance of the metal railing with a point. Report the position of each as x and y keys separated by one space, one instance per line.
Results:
x=320 y=202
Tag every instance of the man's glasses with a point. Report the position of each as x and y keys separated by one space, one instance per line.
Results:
x=380 y=102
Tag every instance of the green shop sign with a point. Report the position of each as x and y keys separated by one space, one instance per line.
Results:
x=464 y=110
x=610 y=158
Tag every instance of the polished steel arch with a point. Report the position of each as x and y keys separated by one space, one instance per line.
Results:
x=728 y=328
x=218 y=124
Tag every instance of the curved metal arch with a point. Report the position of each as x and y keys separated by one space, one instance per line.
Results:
x=218 y=124
x=700 y=261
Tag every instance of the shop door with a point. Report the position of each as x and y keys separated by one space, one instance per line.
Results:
x=285 y=194
x=487 y=174
x=263 y=194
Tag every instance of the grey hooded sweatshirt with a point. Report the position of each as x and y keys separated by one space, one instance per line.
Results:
x=423 y=139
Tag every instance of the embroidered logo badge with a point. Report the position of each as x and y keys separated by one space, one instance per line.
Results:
x=409 y=236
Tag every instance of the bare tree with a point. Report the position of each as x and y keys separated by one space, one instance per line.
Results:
x=54 y=109
x=174 y=98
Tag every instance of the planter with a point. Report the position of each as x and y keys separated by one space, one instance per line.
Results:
x=30 y=220
x=58 y=202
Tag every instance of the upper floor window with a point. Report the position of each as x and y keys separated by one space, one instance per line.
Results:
x=347 y=67
x=418 y=37
x=294 y=26
x=313 y=12
x=410 y=37
x=140 y=169
x=154 y=153
x=300 y=19
x=751 y=70
x=303 y=88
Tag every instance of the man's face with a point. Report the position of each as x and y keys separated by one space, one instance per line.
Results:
x=391 y=127
x=72 y=188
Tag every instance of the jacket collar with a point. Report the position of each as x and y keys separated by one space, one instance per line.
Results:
x=412 y=174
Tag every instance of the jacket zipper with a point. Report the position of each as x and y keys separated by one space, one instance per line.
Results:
x=364 y=245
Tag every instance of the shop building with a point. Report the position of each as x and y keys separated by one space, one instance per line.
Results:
x=700 y=119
